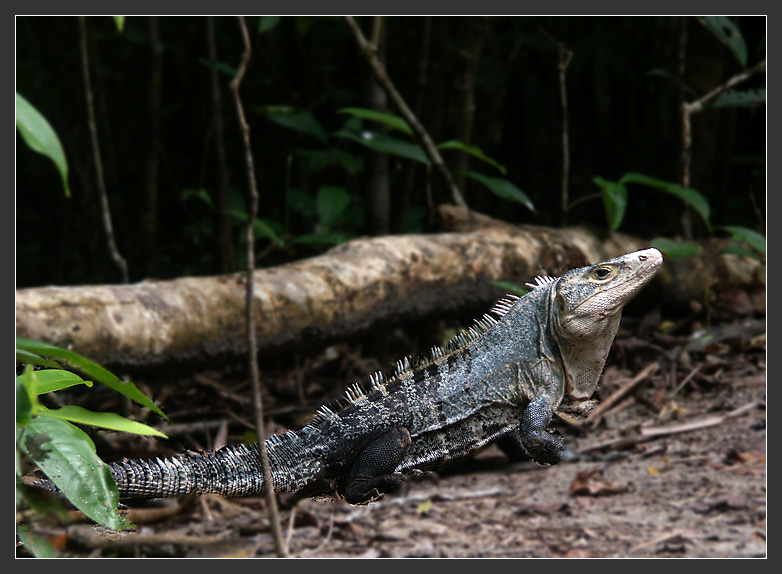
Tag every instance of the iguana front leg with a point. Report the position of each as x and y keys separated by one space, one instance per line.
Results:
x=542 y=446
x=372 y=472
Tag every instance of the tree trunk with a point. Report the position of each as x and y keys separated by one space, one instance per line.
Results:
x=474 y=32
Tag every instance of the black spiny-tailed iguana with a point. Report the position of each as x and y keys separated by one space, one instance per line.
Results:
x=504 y=377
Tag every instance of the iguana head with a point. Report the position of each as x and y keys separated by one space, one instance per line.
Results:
x=587 y=304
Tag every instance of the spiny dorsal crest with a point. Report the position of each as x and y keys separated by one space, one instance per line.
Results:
x=377 y=382
x=540 y=281
x=504 y=305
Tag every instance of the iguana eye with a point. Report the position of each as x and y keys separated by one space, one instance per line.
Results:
x=602 y=273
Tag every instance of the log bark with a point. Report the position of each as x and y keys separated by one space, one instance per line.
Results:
x=193 y=322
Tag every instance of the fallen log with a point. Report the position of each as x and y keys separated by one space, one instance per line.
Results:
x=192 y=322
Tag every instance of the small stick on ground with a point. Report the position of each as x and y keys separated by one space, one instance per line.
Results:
x=620 y=394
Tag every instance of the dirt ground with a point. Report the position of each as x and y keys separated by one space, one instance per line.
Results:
x=672 y=464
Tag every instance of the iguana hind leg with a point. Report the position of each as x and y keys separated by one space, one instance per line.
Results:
x=372 y=472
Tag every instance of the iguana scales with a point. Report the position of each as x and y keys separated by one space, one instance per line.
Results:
x=506 y=376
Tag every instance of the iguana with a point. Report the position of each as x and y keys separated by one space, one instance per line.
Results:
x=504 y=377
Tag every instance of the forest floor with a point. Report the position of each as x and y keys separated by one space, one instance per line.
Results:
x=673 y=465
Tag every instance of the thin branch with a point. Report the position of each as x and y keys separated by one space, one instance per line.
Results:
x=689 y=108
x=565 y=56
x=271 y=500
x=368 y=51
x=686 y=130
x=649 y=433
x=706 y=422
x=620 y=394
x=102 y=195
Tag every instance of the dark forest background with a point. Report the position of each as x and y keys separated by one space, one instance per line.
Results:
x=174 y=164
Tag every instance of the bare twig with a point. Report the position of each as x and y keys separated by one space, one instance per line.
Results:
x=651 y=433
x=419 y=497
x=686 y=380
x=90 y=537
x=368 y=51
x=323 y=542
x=655 y=432
x=102 y=195
x=690 y=108
x=620 y=393
x=565 y=56
x=271 y=500
x=663 y=538
x=291 y=521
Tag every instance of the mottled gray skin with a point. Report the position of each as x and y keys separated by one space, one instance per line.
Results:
x=504 y=377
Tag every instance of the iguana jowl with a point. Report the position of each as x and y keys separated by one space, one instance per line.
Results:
x=505 y=376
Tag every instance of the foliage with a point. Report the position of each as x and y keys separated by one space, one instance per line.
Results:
x=755 y=243
x=41 y=137
x=379 y=142
x=729 y=34
x=615 y=196
x=312 y=125
x=60 y=449
x=615 y=200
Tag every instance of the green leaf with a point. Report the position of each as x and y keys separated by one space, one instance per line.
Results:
x=749 y=236
x=663 y=73
x=35 y=545
x=740 y=99
x=299 y=120
x=313 y=161
x=67 y=456
x=503 y=188
x=261 y=228
x=511 y=287
x=331 y=203
x=674 y=249
x=199 y=193
x=267 y=23
x=386 y=144
x=614 y=200
x=473 y=151
x=119 y=21
x=92 y=370
x=111 y=421
x=388 y=119
x=687 y=194
x=301 y=202
x=29 y=358
x=40 y=136
x=222 y=67
x=738 y=249
x=50 y=380
x=729 y=34
x=24 y=401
